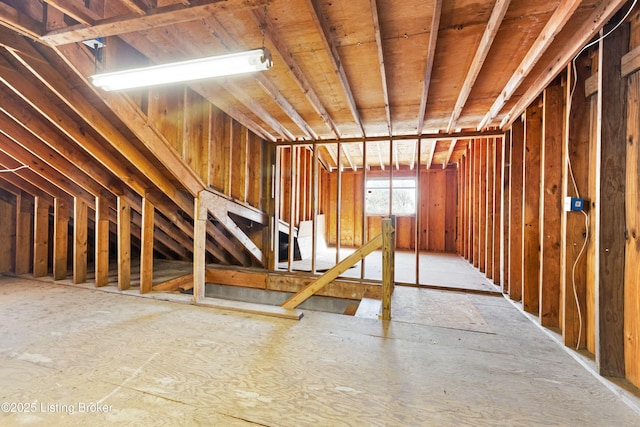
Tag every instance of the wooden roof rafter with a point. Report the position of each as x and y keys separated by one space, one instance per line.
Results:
x=428 y=70
x=83 y=15
x=432 y=152
x=153 y=18
x=281 y=49
x=383 y=73
x=586 y=32
x=332 y=50
x=556 y=23
x=267 y=85
x=493 y=26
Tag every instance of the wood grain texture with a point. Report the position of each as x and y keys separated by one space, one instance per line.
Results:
x=515 y=211
x=238 y=369
x=632 y=249
x=531 y=209
x=41 y=238
x=610 y=214
x=80 y=236
x=551 y=207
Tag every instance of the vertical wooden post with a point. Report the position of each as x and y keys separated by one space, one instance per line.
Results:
x=293 y=151
x=469 y=202
x=24 y=223
x=338 y=202
x=388 y=262
x=499 y=211
x=531 y=209
x=102 y=241
x=551 y=206
x=60 y=238
x=200 y=246
x=573 y=224
x=490 y=213
x=610 y=204
x=476 y=203
x=124 y=243
x=632 y=250
x=505 y=260
x=80 y=234
x=41 y=238
x=482 y=206
x=515 y=216
x=146 y=250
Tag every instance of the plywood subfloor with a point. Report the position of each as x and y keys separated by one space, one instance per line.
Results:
x=160 y=363
x=435 y=269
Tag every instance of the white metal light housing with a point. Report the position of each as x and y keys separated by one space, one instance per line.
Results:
x=195 y=69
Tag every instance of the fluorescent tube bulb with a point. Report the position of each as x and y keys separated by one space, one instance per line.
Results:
x=195 y=69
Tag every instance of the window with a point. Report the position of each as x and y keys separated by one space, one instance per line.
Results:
x=377 y=196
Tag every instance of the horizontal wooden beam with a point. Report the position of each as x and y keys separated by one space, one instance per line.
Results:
x=251 y=308
x=425 y=137
x=153 y=18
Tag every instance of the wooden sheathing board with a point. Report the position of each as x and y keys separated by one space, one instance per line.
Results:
x=498 y=213
x=531 y=208
x=551 y=205
x=7 y=232
x=515 y=207
x=610 y=214
x=632 y=249
x=574 y=270
x=437 y=210
x=506 y=203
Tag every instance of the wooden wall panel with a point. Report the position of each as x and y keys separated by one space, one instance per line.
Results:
x=450 y=210
x=498 y=211
x=219 y=151
x=60 y=238
x=531 y=209
x=574 y=269
x=490 y=215
x=41 y=238
x=166 y=113
x=632 y=249
x=239 y=162
x=610 y=214
x=255 y=175
x=506 y=220
x=475 y=208
x=551 y=206
x=482 y=207
x=24 y=234
x=438 y=210
x=196 y=134
x=80 y=237
x=7 y=235
x=515 y=207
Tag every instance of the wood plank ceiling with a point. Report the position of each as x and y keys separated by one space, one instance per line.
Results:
x=348 y=70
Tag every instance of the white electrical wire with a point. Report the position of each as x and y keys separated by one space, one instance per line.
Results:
x=574 y=83
x=13 y=170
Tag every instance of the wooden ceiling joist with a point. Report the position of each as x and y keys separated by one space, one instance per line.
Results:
x=383 y=73
x=324 y=31
x=601 y=15
x=497 y=15
x=428 y=69
x=281 y=49
x=83 y=15
x=560 y=17
x=153 y=18
x=452 y=146
x=233 y=46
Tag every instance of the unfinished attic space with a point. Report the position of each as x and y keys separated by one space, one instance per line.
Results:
x=289 y=212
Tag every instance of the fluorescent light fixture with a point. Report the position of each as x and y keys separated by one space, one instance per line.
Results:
x=195 y=69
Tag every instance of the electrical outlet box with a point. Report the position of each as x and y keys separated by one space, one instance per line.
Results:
x=573 y=204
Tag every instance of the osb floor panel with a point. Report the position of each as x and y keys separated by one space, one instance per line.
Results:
x=158 y=363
